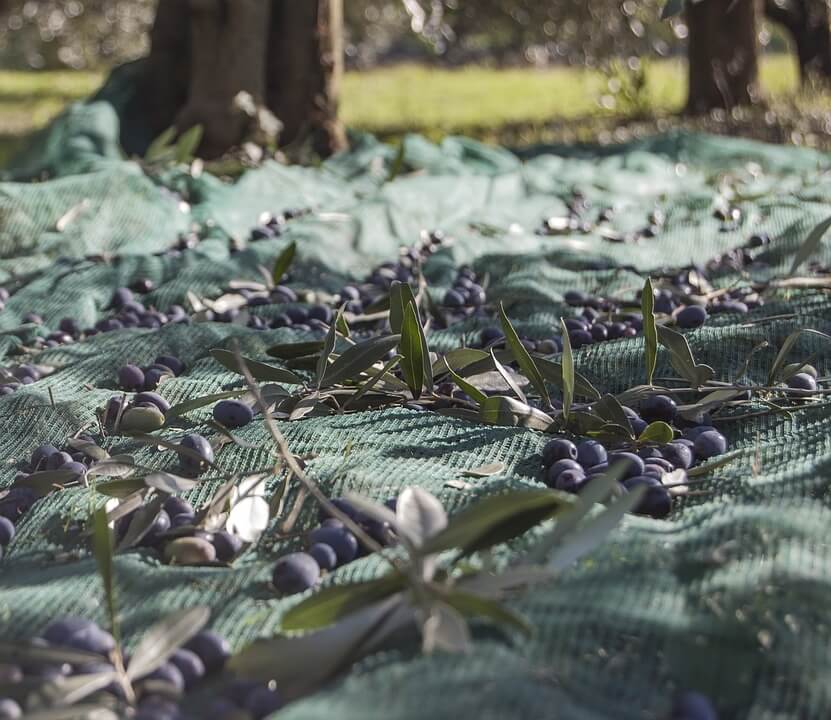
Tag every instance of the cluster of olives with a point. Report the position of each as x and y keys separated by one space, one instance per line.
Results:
x=15 y=502
x=175 y=535
x=145 y=412
x=578 y=220
x=133 y=378
x=48 y=457
x=569 y=466
x=330 y=546
x=23 y=374
x=271 y=226
x=202 y=658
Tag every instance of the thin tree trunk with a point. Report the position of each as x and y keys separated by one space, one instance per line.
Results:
x=228 y=50
x=723 y=54
x=287 y=54
x=809 y=24
x=305 y=67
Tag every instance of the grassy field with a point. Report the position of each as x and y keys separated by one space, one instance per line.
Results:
x=389 y=101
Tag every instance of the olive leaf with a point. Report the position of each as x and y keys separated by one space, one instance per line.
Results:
x=472 y=391
x=328 y=348
x=169 y=483
x=711 y=401
x=22 y=653
x=289 y=351
x=76 y=712
x=445 y=629
x=188 y=142
x=250 y=513
x=590 y=535
x=568 y=372
x=90 y=449
x=164 y=638
x=372 y=381
x=300 y=665
x=496 y=519
x=524 y=360
x=506 y=376
x=810 y=245
x=411 y=352
x=650 y=332
x=282 y=263
x=458 y=359
x=120 y=487
x=336 y=601
x=656 y=432
x=154 y=441
x=66 y=691
x=102 y=545
x=782 y=355
x=45 y=481
x=419 y=515
x=141 y=523
x=612 y=411
x=502 y=410
x=258 y=370
x=681 y=357
x=358 y=358
x=196 y=403
x=472 y=605
x=401 y=294
x=553 y=373
x=115 y=466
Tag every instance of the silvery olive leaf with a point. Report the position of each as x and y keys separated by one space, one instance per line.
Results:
x=445 y=629
x=164 y=638
x=249 y=515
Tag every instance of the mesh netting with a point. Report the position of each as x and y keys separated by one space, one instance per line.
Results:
x=728 y=596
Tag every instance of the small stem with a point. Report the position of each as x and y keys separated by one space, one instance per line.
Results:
x=294 y=466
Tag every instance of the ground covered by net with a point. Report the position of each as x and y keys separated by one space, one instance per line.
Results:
x=729 y=595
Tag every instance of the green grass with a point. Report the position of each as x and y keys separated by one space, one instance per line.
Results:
x=472 y=100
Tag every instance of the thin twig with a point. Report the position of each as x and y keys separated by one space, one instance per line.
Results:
x=294 y=466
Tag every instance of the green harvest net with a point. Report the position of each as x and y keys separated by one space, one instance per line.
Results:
x=729 y=596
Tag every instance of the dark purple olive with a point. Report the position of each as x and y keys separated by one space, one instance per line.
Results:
x=678 y=454
x=802 y=381
x=174 y=363
x=579 y=338
x=213 y=650
x=142 y=285
x=154 y=399
x=6 y=531
x=121 y=297
x=558 y=449
x=233 y=413
x=453 y=299
x=55 y=461
x=201 y=447
x=189 y=665
x=154 y=376
x=591 y=453
x=658 y=407
x=168 y=673
x=657 y=502
x=295 y=573
x=559 y=467
x=575 y=298
x=692 y=316
x=343 y=542
x=41 y=454
x=16 y=501
x=325 y=556
x=491 y=335
x=570 y=480
x=174 y=506
x=632 y=464
x=709 y=444
x=131 y=378
x=227 y=545
x=693 y=706
x=80 y=634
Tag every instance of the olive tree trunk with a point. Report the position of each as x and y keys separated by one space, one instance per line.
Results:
x=285 y=54
x=723 y=54
x=809 y=24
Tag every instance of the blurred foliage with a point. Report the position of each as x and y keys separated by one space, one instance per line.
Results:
x=73 y=33
x=95 y=33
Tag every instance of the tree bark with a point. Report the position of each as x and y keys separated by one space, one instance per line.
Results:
x=286 y=54
x=809 y=24
x=304 y=71
x=723 y=54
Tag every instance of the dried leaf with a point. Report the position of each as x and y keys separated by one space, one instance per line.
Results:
x=485 y=470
